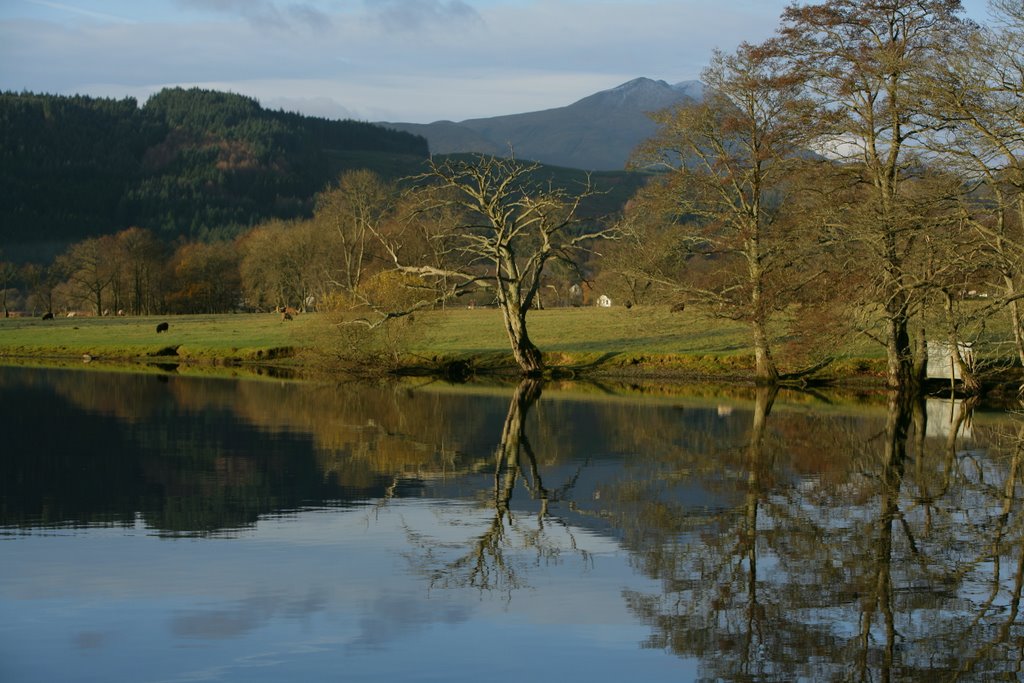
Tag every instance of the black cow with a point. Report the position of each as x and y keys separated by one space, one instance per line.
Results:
x=162 y=327
x=47 y=316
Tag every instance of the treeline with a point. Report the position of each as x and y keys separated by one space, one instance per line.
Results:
x=189 y=163
x=858 y=176
x=338 y=258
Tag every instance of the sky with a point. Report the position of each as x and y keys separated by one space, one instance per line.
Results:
x=373 y=60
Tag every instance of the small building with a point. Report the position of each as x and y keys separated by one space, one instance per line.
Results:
x=940 y=359
x=604 y=302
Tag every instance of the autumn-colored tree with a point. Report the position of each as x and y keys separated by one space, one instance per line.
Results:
x=206 y=278
x=729 y=160
x=864 y=63
x=350 y=213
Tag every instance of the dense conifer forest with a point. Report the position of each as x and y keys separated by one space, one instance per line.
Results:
x=189 y=163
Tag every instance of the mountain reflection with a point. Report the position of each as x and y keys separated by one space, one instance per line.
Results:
x=781 y=538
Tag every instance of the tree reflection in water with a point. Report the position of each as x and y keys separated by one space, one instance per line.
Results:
x=903 y=560
x=497 y=559
x=880 y=578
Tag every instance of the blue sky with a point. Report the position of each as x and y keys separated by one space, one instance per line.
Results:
x=375 y=60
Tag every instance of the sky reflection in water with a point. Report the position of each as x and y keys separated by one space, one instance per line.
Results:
x=175 y=529
x=317 y=593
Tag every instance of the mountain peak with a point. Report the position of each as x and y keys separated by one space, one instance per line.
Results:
x=641 y=95
x=637 y=83
x=598 y=132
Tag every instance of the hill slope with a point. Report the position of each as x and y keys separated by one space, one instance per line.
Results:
x=190 y=162
x=596 y=133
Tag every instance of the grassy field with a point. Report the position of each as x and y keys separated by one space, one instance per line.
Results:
x=241 y=338
x=640 y=340
x=591 y=330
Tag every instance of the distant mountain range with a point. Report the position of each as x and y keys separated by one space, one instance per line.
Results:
x=596 y=133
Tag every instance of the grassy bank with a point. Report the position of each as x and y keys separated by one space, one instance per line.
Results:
x=642 y=341
x=193 y=338
x=637 y=341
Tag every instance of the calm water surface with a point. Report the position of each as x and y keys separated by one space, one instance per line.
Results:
x=164 y=528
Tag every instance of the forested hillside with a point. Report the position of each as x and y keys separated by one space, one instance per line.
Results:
x=193 y=163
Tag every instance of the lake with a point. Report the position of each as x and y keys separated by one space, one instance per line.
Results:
x=157 y=527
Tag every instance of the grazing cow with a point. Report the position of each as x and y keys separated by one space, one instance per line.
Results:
x=47 y=316
x=162 y=327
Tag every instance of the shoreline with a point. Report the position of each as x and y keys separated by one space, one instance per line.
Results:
x=610 y=346
x=851 y=374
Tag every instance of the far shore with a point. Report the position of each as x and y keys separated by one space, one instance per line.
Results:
x=642 y=344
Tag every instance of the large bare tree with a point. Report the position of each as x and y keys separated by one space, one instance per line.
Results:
x=730 y=160
x=502 y=226
x=865 y=61
x=141 y=285
x=90 y=267
x=978 y=98
x=285 y=263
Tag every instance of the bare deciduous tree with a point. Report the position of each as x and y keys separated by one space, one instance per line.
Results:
x=353 y=211
x=729 y=159
x=90 y=268
x=977 y=92
x=864 y=63
x=142 y=257
x=503 y=228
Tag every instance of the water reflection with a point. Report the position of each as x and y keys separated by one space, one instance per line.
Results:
x=762 y=536
x=912 y=567
x=499 y=556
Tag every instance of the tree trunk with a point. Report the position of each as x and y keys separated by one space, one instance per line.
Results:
x=920 y=363
x=764 y=365
x=899 y=354
x=527 y=355
x=971 y=383
x=1015 y=319
x=513 y=313
x=765 y=370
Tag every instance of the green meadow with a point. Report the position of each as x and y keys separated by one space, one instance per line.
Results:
x=638 y=341
x=213 y=338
